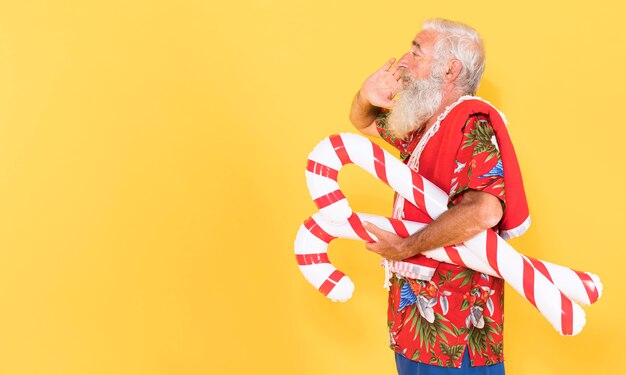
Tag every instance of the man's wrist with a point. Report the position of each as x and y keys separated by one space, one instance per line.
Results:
x=362 y=100
x=410 y=246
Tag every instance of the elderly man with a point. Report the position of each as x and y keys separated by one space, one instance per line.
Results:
x=444 y=318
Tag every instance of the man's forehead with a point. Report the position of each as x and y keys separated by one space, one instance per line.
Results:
x=425 y=38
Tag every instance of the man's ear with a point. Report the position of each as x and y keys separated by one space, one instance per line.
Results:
x=453 y=70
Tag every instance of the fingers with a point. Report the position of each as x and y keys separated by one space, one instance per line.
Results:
x=374 y=247
x=388 y=64
x=395 y=70
x=388 y=244
x=370 y=227
x=376 y=231
x=382 y=245
x=398 y=74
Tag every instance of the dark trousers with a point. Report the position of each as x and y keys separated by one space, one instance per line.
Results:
x=407 y=367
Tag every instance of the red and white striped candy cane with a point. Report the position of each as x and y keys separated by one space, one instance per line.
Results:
x=316 y=234
x=581 y=287
x=322 y=180
x=323 y=166
x=334 y=152
x=569 y=281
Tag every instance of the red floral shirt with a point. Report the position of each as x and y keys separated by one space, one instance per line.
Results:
x=434 y=321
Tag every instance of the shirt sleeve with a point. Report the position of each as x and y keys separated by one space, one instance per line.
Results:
x=478 y=162
x=387 y=135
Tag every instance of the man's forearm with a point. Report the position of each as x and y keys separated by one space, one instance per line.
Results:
x=362 y=113
x=458 y=224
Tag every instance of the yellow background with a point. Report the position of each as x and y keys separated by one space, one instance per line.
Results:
x=152 y=162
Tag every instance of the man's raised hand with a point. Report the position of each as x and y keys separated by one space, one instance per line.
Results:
x=380 y=88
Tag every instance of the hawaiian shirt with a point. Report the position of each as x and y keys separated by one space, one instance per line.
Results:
x=434 y=321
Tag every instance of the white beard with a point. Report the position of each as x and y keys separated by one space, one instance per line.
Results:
x=418 y=101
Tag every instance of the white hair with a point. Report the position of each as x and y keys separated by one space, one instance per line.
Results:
x=460 y=41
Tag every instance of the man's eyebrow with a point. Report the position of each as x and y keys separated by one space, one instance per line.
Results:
x=416 y=44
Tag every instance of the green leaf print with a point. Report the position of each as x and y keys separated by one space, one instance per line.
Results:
x=434 y=358
x=483 y=147
x=493 y=153
x=456 y=330
x=481 y=134
x=465 y=305
x=468 y=143
x=466 y=275
x=490 y=327
x=416 y=355
x=428 y=332
x=452 y=352
x=444 y=278
x=411 y=317
x=478 y=338
x=484 y=131
x=496 y=349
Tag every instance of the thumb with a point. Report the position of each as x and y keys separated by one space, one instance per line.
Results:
x=373 y=229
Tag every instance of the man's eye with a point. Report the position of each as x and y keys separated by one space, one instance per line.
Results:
x=414 y=54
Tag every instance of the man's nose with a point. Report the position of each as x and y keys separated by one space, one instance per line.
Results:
x=404 y=60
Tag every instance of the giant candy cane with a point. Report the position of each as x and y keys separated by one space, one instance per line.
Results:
x=548 y=287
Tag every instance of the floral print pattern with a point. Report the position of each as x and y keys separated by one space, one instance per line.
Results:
x=435 y=321
x=478 y=164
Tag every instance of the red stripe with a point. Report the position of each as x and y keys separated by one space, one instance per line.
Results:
x=321 y=169
x=328 y=199
x=567 y=316
x=340 y=149
x=317 y=231
x=331 y=281
x=399 y=227
x=529 y=282
x=357 y=226
x=454 y=256
x=590 y=286
x=306 y=259
x=492 y=250
x=418 y=192
x=379 y=163
x=539 y=266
